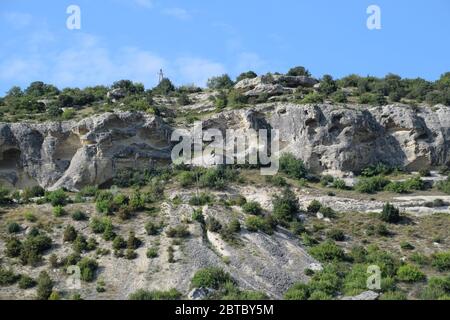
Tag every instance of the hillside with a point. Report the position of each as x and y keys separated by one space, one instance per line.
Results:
x=87 y=180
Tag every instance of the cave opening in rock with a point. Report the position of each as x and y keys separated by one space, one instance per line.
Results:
x=66 y=149
x=10 y=159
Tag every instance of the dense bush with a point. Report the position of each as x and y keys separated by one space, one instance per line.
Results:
x=79 y=216
x=256 y=223
x=371 y=185
x=179 y=231
x=26 y=282
x=410 y=273
x=7 y=277
x=13 y=227
x=246 y=75
x=390 y=214
x=286 y=206
x=142 y=294
x=441 y=261
x=88 y=268
x=213 y=225
x=70 y=234
x=212 y=277
x=327 y=252
x=220 y=82
x=201 y=199
x=437 y=288
x=314 y=206
x=44 y=286
x=299 y=71
x=292 y=167
x=57 y=198
x=33 y=247
x=252 y=207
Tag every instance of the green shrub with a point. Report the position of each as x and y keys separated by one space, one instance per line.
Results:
x=80 y=243
x=44 y=286
x=327 y=252
x=201 y=200
x=393 y=295
x=186 y=178
x=13 y=227
x=212 y=277
x=298 y=291
x=26 y=282
x=57 y=198
x=444 y=186
x=142 y=294
x=441 y=261
x=89 y=191
x=179 y=231
x=406 y=246
x=246 y=75
x=314 y=206
x=312 y=97
x=70 y=234
x=339 y=184
x=390 y=214
x=376 y=170
x=253 y=208
x=58 y=211
x=220 y=82
x=29 y=216
x=213 y=225
x=256 y=223
x=119 y=243
x=7 y=277
x=327 y=212
x=88 y=268
x=437 y=288
x=13 y=248
x=79 y=216
x=99 y=225
x=286 y=206
x=152 y=252
x=410 y=273
x=234 y=226
x=292 y=167
x=152 y=228
x=33 y=247
x=133 y=242
x=277 y=181
x=336 y=235
x=371 y=185
x=299 y=71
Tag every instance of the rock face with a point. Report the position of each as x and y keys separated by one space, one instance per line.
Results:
x=73 y=154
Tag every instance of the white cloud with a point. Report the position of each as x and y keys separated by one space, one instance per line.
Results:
x=17 y=20
x=145 y=3
x=198 y=70
x=178 y=13
x=87 y=61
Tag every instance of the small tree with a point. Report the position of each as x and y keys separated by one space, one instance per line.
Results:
x=246 y=75
x=70 y=234
x=390 y=214
x=299 y=71
x=164 y=87
x=221 y=82
x=44 y=286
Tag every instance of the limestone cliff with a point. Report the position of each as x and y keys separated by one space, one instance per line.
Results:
x=73 y=154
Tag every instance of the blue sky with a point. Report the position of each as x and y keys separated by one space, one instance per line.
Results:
x=193 y=40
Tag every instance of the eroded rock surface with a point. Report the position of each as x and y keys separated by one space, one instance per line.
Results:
x=328 y=138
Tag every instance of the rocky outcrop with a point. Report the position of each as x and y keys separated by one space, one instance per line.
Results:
x=273 y=84
x=328 y=138
x=74 y=154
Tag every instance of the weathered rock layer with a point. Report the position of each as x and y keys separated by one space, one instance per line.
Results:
x=73 y=154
